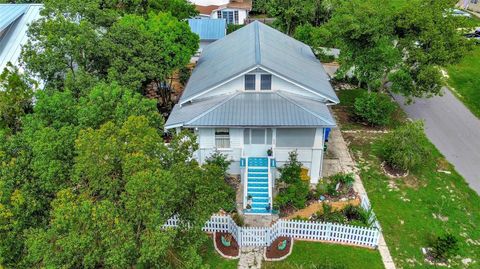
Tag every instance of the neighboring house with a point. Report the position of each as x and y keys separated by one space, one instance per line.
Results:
x=254 y=91
x=233 y=11
x=14 y=21
x=473 y=5
x=209 y=30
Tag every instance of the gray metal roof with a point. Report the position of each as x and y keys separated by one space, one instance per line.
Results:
x=242 y=109
x=9 y=13
x=258 y=45
x=208 y=29
x=18 y=17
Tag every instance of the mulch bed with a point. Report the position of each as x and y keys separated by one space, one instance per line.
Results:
x=232 y=251
x=273 y=252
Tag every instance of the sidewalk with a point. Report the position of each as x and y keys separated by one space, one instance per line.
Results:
x=337 y=160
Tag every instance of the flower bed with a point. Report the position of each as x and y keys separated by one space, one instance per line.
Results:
x=226 y=244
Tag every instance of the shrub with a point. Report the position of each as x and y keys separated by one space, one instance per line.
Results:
x=443 y=247
x=184 y=75
x=346 y=179
x=220 y=160
x=295 y=194
x=374 y=108
x=328 y=215
x=406 y=147
x=321 y=188
x=290 y=172
x=238 y=219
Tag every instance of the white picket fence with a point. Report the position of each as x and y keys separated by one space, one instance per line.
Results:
x=297 y=229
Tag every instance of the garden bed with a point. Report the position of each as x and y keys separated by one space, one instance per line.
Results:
x=279 y=249
x=231 y=251
x=317 y=206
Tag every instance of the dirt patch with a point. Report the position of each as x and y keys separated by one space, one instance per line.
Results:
x=229 y=251
x=273 y=251
x=392 y=171
x=313 y=208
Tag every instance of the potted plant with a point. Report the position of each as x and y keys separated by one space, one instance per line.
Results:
x=249 y=206
x=270 y=152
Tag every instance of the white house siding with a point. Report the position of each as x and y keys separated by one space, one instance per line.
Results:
x=238 y=84
x=311 y=157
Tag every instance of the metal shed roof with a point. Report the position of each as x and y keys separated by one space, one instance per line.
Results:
x=275 y=109
x=258 y=45
x=18 y=17
x=208 y=29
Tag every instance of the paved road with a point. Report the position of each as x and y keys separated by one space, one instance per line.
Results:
x=453 y=129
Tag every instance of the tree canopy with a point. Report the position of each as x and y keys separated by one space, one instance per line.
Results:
x=403 y=47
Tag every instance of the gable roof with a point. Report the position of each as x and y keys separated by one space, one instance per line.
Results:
x=208 y=29
x=14 y=20
x=242 y=109
x=258 y=45
x=206 y=10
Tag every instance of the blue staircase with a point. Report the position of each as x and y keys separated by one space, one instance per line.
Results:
x=257 y=186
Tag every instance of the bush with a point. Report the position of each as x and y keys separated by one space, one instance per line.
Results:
x=295 y=194
x=233 y=27
x=328 y=215
x=374 y=108
x=444 y=247
x=220 y=160
x=321 y=189
x=291 y=171
x=406 y=147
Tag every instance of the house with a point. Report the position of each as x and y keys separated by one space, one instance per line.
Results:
x=473 y=5
x=14 y=22
x=258 y=91
x=233 y=11
x=209 y=30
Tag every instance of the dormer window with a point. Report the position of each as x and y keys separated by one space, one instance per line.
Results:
x=266 y=82
x=249 y=82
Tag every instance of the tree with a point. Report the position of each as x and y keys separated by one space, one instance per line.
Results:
x=374 y=108
x=290 y=14
x=148 y=50
x=16 y=92
x=405 y=45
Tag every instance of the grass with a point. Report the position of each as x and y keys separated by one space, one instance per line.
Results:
x=465 y=77
x=315 y=255
x=425 y=204
x=213 y=260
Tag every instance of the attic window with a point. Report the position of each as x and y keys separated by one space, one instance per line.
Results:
x=266 y=82
x=249 y=82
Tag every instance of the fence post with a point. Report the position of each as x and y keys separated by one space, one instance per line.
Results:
x=329 y=231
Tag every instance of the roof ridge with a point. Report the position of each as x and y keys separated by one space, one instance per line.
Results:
x=212 y=108
x=307 y=110
x=258 y=56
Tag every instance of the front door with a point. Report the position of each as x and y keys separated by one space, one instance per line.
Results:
x=257 y=141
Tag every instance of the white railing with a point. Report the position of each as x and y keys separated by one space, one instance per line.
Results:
x=270 y=186
x=245 y=184
x=297 y=229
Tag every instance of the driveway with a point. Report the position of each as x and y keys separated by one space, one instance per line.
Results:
x=453 y=129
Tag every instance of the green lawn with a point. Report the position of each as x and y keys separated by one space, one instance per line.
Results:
x=312 y=255
x=427 y=203
x=213 y=260
x=465 y=79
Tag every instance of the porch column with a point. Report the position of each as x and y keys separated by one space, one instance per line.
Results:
x=317 y=157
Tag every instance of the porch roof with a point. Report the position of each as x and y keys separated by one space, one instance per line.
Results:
x=273 y=109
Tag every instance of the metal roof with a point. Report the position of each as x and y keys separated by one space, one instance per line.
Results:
x=9 y=13
x=243 y=109
x=258 y=45
x=208 y=29
x=15 y=35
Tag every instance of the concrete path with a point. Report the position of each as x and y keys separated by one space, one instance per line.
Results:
x=453 y=129
x=250 y=258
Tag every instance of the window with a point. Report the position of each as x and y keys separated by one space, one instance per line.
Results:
x=230 y=16
x=249 y=82
x=236 y=16
x=222 y=138
x=257 y=136
x=295 y=137
x=266 y=82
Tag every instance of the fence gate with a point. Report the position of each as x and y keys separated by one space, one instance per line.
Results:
x=254 y=236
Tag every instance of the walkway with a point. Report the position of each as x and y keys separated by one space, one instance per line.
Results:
x=338 y=159
x=453 y=129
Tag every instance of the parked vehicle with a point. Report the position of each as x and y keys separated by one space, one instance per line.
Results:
x=459 y=13
x=475 y=36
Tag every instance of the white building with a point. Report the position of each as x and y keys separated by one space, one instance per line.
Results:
x=233 y=11
x=14 y=22
x=258 y=90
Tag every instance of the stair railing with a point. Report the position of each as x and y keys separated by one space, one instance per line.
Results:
x=269 y=184
x=245 y=184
